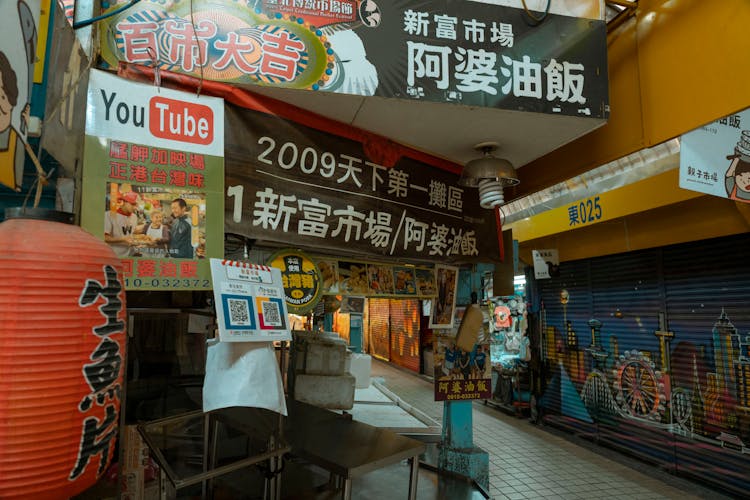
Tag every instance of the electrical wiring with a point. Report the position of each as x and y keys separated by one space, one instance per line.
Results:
x=201 y=62
x=536 y=20
x=89 y=22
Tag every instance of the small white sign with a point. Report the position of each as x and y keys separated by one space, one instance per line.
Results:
x=546 y=263
x=715 y=158
x=250 y=303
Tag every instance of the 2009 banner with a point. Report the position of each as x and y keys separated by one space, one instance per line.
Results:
x=472 y=53
x=292 y=184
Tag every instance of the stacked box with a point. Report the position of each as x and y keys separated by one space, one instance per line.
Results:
x=318 y=370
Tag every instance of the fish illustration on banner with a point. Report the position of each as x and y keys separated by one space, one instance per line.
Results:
x=18 y=47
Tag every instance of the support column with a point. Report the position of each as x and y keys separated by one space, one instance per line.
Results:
x=457 y=453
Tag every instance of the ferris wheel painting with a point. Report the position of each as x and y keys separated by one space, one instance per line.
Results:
x=638 y=390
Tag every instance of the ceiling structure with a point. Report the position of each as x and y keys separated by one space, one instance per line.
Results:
x=448 y=131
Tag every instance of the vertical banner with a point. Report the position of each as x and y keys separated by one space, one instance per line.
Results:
x=250 y=303
x=715 y=158
x=153 y=181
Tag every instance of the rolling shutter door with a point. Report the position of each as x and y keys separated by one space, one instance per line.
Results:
x=379 y=328
x=405 y=333
x=681 y=398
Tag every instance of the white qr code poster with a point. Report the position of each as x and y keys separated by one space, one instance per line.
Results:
x=250 y=302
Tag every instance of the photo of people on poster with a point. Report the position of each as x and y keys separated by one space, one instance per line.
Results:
x=142 y=221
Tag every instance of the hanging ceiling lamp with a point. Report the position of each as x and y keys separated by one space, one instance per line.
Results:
x=490 y=174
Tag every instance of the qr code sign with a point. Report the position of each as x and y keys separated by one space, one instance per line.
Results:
x=239 y=312
x=271 y=314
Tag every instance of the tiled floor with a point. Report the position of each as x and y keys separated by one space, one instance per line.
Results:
x=528 y=461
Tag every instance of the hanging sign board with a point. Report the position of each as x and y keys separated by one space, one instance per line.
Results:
x=715 y=158
x=153 y=172
x=546 y=263
x=462 y=372
x=249 y=300
x=301 y=280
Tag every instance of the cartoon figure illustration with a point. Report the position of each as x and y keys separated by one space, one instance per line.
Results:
x=11 y=144
x=17 y=58
x=737 y=180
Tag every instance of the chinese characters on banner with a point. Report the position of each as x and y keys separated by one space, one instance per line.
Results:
x=484 y=54
x=715 y=158
x=250 y=305
x=296 y=185
x=465 y=52
x=153 y=181
x=461 y=375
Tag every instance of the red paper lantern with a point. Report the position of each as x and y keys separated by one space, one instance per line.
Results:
x=62 y=350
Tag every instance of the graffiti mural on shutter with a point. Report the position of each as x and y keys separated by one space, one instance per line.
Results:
x=649 y=354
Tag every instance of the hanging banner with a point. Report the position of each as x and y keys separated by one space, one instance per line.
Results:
x=249 y=300
x=715 y=158
x=470 y=53
x=18 y=53
x=301 y=280
x=546 y=263
x=153 y=181
x=292 y=184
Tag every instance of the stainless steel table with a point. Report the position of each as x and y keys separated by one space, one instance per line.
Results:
x=348 y=448
x=187 y=448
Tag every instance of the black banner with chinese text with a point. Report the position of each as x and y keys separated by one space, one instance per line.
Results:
x=294 y=185
x=482 y=54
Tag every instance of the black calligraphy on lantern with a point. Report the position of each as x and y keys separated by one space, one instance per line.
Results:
x=112 y=304
x=102 y=373
x=95 y=440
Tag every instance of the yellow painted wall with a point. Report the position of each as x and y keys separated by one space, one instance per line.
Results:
x=693 y=58
x=647 y=194
x=677 y=65
x=695 y=219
